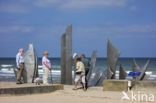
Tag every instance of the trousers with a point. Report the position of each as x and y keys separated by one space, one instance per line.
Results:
x=45 y=75
x=20 y=72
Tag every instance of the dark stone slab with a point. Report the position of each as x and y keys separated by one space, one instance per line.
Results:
x=112 y=59
x=66 y=56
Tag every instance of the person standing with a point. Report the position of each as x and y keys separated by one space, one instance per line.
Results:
x=86 y=63
x=20 y=65
x=80 y=73
x=46 y=65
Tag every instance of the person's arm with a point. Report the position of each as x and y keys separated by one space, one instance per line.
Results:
x=17 y=61
x=45 y=63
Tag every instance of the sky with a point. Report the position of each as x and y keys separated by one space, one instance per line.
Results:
x=130 y=25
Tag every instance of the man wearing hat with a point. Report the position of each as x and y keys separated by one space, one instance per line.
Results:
x=46 y=65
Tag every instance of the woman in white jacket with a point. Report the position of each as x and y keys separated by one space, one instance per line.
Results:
x=80 y=73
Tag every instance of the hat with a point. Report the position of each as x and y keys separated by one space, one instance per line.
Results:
x=45 y=53
x=74 y=55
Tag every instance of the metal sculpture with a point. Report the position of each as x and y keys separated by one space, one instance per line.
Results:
x=112 y=59
x=66 y=56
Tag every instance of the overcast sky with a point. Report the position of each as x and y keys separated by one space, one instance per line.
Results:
x=130 y=25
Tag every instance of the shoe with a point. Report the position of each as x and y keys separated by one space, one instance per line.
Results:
x=85 y=89
x=18 y=82
x=75 y=89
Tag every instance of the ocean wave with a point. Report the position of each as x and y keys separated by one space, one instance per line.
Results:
x=40 y=70
x=53 y=66
x=6 y=65
x=39 y=66
x=4 y=72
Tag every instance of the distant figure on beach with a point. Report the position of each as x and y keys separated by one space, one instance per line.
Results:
x=20 y=65
x=86 y=63
x=46 y=65
x=80 y=73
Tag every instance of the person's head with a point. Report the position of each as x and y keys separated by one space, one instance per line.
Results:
x=45 y=54
x=83 y=56
x=21 y=50
x=78 y=59
x=75 y=55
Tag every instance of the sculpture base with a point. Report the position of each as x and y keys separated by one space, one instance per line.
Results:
x=14 y=89
x=115 y=85
x=144 y=85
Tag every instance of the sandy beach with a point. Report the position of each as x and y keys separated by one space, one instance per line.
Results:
x=92 y=95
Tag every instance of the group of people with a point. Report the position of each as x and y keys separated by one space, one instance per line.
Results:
x=81 y=71
x=46 y=65
x=81 y=68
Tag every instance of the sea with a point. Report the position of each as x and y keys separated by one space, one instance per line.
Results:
x=7 y=66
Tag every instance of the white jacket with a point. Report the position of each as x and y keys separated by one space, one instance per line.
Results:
x=80 y=67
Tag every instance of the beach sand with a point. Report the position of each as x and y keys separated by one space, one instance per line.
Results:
x=92 y=95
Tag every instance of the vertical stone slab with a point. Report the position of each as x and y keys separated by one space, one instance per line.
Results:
x=112 y=59
x=66 y=56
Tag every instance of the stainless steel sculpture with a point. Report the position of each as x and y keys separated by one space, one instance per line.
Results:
x=95 y=79
x=136 y=68
x=66 y=56
x=112 y=59
x=92 y=64
x=102 y=78
x=143 y=75
x=122 y=73
x=30 y=65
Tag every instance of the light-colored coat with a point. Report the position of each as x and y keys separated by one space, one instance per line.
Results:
x=80 y=67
